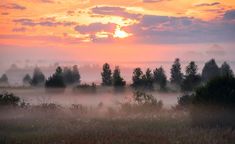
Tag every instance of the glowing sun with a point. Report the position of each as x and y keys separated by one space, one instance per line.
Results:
x=120 y=33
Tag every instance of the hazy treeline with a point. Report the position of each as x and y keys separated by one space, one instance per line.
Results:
x=148 y=79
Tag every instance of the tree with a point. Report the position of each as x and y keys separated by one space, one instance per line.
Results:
x=106 y=75
x=160 y=77
x=56 y=80
x=218 y=91
x=137 y=77
x=68 y=76
x=27 y=79
x=148 y=79
x=192 y=78
x=76 y=75
x=210 y=70
x=4 y=79
x=71 y=76
x=176 y=74
x=225 y=70
x=38 y=77
x=117 y=79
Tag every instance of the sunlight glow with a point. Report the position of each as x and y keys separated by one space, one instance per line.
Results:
x=120 y=33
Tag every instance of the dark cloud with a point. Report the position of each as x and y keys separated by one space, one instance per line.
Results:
x=230 y=15
x=21 y=29
x=207 y=4
x=13 y=6
x=164 y=29
x=50 y=22
x=95 y=27
x=115 y=11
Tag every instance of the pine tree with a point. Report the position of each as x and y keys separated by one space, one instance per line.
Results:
x=118 y=81
x=210 y=70
x=160 y=77
x=225 y=70
x=176 y=74
x=106 y=75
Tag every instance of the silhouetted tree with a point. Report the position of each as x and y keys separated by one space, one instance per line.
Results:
x=218 y=91
x=4 y=80
x=76 y=75
x=192 y=79
x=71 y=76
x=160 y=77
x=27 y=79
x=225 y=70
x=56 y=80
x=210 y=70
x=68 y=76
x=147 y=79
x=106 y=75
x=38 y=78
x=176 y=74
x=137 y=77
x=117 y=79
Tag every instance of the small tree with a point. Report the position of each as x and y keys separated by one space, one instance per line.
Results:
x=4 y=80
x=117 y=79
x=27 y=79
x=160 y=77
x=106 y=75
x=137 y=77
x=38 y=77
x=225 y=70
x=192 y=78
x=148 y=79
x=176 y=74
x=56 y=80
x=68 y=76
x=76 y=75
x=210 y=70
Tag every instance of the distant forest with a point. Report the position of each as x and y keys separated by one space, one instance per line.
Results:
x=146 y=80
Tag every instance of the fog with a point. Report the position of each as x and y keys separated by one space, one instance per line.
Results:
x=108 y=97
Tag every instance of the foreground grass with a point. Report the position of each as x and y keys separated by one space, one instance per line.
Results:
x=60 y=127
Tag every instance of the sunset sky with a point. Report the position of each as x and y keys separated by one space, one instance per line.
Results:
x=116 y=30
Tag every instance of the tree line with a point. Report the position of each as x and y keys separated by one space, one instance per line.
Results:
x=144 y=80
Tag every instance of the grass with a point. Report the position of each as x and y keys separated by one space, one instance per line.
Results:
x=26 y=126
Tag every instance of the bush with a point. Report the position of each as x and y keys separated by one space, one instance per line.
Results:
x=86 y=88
x=219 y=91
x=9 y=99
x=142 y=102
x=185 y=100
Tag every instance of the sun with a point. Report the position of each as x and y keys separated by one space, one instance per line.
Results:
x=120 y=33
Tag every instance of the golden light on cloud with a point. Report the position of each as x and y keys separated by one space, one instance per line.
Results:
x=120 y=33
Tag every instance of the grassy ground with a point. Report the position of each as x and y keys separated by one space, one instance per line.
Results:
x=62 y=127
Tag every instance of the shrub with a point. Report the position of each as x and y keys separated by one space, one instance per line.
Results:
x=9 y=99
x=86 y=88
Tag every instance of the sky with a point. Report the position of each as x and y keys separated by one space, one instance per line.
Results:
x=116 y=30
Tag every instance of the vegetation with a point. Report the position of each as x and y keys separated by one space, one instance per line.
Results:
x=85 y=88
x=117 y=79
x=176 y=74
x=225 y=70
x=4 y=80
x=160 y=78
x=106 y=75
x=192 y=79
x=71 y=76
x=38 y=78
x=210 y=70
x=9 y=99
x=27 y=79
x=56 y=80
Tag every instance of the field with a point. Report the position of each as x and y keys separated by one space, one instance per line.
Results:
x=68 y=126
